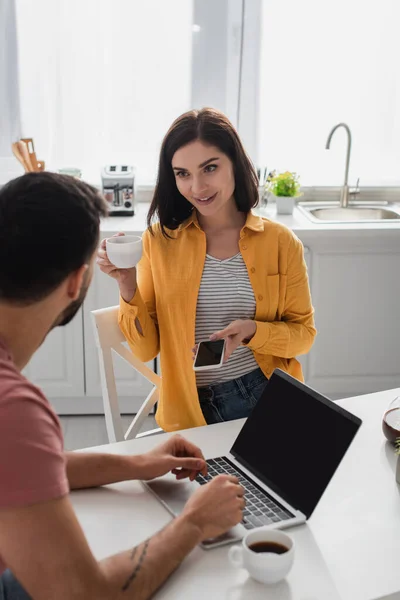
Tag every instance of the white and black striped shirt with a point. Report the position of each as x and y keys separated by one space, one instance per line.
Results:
x=225 y=295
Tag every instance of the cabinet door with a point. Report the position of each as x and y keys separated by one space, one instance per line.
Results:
x=131 y=386
x=356 y=295
x=304 y=358
x=57 y=367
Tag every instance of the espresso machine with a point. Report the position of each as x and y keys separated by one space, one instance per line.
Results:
x=118 y=187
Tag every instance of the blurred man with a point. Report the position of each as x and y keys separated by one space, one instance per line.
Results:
x=49 y=232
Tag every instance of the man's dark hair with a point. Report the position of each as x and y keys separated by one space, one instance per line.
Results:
x=49 y=228
x=211 y=127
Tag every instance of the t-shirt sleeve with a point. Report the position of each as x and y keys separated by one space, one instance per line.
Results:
x=32 y=460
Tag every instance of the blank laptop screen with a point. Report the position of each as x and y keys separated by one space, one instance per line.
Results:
x=294 y=440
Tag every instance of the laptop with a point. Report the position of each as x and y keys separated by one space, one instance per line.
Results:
x=284 y=456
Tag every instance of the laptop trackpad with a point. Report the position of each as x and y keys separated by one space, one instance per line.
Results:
x=174 y=495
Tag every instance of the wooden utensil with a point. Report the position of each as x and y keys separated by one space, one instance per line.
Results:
x=31 y=152
x=19 y=157
x=22 y=147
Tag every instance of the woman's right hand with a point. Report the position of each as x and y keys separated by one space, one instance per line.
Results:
x=126 y=278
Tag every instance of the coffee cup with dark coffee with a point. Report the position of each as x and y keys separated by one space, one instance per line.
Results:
x=267 y=554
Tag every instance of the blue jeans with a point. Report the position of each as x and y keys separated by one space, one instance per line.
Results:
x=10 y=589
x=232 y=399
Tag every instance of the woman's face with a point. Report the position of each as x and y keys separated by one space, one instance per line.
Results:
x=204 y=176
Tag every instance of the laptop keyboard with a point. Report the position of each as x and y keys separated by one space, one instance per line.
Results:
x=261 y=508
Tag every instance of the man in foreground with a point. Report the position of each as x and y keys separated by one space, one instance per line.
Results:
x=49 y=232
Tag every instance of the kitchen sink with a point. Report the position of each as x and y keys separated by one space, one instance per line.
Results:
x=371 y=213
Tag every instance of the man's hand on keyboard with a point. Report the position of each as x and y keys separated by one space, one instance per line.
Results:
x=178 y=455
x=216 y=507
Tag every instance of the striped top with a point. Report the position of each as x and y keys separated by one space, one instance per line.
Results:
x=225 y=295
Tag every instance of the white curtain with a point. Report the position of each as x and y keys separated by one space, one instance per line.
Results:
x=10 y=128
x=323 y=63
x=102 y=81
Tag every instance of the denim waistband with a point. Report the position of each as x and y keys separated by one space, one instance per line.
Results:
x=249 y=380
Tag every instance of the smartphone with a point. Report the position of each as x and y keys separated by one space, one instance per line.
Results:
x=209 y=355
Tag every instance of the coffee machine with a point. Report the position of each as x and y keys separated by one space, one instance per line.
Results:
x=118 y=187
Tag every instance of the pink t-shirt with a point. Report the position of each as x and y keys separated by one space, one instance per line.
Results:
x=32 y=461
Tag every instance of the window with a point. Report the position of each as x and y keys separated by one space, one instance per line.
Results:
x=102 y=82
x=322 y=63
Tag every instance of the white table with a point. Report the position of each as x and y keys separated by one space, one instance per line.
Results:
x=349 y=549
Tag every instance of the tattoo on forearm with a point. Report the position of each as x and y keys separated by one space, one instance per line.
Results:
x=136 y=570
x=132 y=556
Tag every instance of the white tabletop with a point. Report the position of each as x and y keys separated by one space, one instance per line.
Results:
x=346 y=551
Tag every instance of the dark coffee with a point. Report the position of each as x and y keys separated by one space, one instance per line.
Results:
x=268 y=547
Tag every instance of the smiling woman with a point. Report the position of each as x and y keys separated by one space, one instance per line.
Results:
x=211 y=269
x=207 y=159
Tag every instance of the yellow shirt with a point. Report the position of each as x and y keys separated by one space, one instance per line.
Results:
x=169 y=276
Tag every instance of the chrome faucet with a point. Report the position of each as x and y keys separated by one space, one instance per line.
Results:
x=344 y=195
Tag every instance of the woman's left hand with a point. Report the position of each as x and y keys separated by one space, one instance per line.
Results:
x=236 y=333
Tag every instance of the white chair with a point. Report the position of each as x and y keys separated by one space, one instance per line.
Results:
x=109 y=338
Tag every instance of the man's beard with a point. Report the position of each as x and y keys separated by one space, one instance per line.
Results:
x=69 y=313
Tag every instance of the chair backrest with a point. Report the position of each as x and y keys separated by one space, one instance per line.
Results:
x=109 y=338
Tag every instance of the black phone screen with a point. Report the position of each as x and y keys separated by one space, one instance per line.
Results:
x=209 y=353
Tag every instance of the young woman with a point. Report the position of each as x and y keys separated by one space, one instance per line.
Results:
x=212 y=268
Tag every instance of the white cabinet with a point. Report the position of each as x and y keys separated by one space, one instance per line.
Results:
x=355 y=286
x=131 y=386
x=58 y=366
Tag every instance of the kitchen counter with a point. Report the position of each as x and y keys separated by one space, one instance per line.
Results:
x=298 y=222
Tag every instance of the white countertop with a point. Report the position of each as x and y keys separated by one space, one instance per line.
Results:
x=348 y=550
x=298 y=222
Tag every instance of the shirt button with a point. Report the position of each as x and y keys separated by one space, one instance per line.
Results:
x=260 y=297
x=244 y=247
x=252 y=270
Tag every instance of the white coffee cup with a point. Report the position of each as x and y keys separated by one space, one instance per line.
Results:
x=124 y=251
x=265 y=567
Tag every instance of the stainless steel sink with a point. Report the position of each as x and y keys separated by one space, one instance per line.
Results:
x=371 y=213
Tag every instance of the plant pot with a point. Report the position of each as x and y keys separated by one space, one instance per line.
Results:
x=285 y=204
x=398 y=469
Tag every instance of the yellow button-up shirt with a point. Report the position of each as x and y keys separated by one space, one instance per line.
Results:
x=169 y=276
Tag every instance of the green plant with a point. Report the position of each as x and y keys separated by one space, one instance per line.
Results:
x=284 y=184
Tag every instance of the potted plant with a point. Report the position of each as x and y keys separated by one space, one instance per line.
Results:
x=285 y=187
